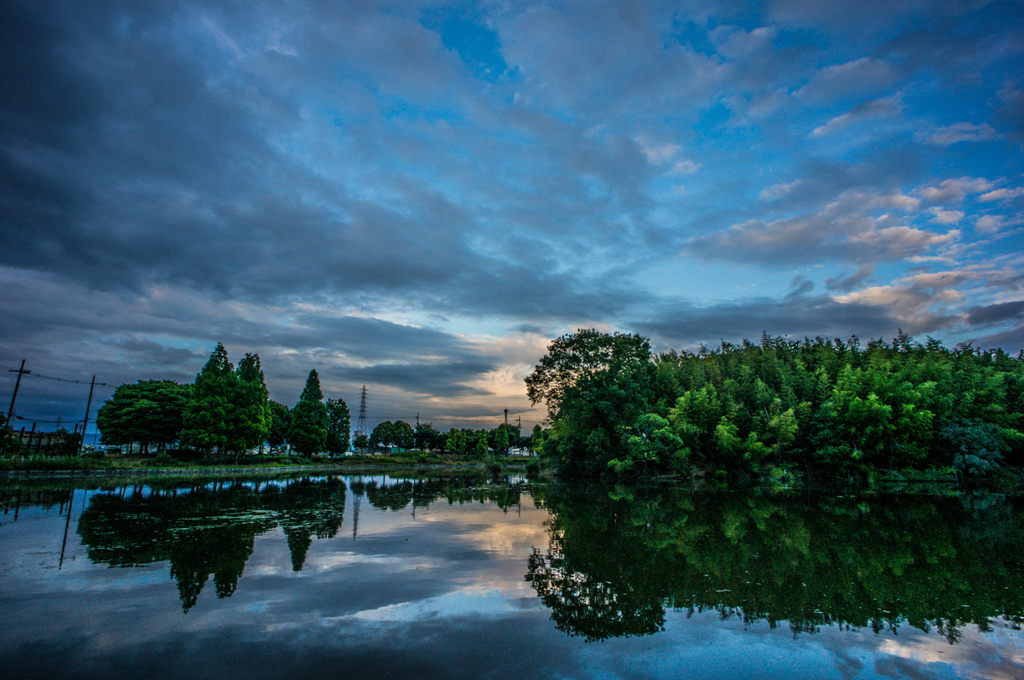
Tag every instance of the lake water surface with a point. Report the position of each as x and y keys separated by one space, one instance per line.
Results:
x=376 y=577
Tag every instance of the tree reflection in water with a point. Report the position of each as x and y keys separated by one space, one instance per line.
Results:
x=618 y=558
x=209 y=529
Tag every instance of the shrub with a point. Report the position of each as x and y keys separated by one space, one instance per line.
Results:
x=163 y=460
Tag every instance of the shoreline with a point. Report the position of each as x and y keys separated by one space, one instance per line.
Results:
x=362 y=468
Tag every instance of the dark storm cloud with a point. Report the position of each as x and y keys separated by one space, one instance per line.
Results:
x=1012 y=340
x=155 y=354
x=446 y=379
x=182 y=190
x=796 y=317
x=374 y=339
x=845 y=284
x=1003 y=311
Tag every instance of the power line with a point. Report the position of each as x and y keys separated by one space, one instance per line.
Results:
x=27 y=419
x=49 y=377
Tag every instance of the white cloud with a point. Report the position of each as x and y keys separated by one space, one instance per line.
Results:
x=686 y=167
x=954 y=190
x=779 y=190
x=1002 y=194
x=862 y=75
x=942 y=216
x=958 y=132
x=658 y=154
x=940 y=281
x=879 y=108
x=989 y=223
x=733 y=42
x=899 y=297
x=897 y=200
x=995 y=223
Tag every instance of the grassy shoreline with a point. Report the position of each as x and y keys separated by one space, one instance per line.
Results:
x=137 y=466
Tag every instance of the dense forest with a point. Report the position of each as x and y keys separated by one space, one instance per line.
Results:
x=778 y=407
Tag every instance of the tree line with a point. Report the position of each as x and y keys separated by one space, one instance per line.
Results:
x=770 y=408
x=226 y=410
x=425 y=437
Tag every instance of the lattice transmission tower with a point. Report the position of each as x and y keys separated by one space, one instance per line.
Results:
x=361 y=423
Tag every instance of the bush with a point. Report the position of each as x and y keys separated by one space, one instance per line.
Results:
x=163 y=460
x=977 y=447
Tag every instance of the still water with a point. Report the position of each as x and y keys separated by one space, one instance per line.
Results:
x=376 y=577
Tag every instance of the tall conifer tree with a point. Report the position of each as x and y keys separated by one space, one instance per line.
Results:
x=252 y=407
x=308 y=433
x=339 y=426
x=210 y=415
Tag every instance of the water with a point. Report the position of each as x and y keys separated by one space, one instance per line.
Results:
x=375 y=577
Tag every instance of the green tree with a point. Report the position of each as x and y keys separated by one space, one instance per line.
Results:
x=501 y=441
x=253 y=417
x=654 y=446
x=456 y=441
x=537 y=438
x=308 y=433
x=596 y=387
x=280 y=422
x=338 y=426
x=382 y=436
x=148 y=412
x=402 y=435
x=361 y=442
x=9 y=444
x=70 y=442
x=578 y=356
x=210 y=414
x=427 y=438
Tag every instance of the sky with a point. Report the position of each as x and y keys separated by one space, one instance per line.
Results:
x=419 y=196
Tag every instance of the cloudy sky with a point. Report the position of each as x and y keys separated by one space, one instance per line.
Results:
x=419 y=196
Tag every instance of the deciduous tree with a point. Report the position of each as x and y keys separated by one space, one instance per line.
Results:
x=147 y=412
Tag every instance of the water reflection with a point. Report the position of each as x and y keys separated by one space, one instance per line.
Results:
x=505 y=492
x=208 y=530
x=618 y=558
x=673 y=583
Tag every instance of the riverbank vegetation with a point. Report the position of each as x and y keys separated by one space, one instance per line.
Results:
x=189 y=462
x=779 y=409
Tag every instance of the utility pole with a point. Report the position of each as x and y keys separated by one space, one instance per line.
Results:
x=506 y=416
x=10 y=412
x=21 y=371
x=85 y=423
